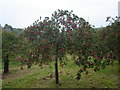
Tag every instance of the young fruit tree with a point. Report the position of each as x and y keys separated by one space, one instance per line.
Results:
x=53 y=38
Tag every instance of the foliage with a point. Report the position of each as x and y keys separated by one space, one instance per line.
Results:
x=9 y=43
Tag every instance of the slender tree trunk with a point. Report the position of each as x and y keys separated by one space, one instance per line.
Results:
x=6 y=64
x=56 y=66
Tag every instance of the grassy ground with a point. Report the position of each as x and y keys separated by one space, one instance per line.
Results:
x=36 y=77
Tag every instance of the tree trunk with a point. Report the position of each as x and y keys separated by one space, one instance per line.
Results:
x=6 y=64
x=56 y=66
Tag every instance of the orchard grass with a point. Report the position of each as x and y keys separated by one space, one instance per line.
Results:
x=37 y=77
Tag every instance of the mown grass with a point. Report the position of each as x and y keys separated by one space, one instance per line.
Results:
x=36 y=77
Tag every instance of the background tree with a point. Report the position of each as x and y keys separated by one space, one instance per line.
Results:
x=8 y=27
x=9 y=44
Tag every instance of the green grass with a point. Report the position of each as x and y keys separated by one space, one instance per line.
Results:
x=12 y=63
x=36 y=77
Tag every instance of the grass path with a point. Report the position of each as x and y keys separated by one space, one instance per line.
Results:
x=36 y=77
